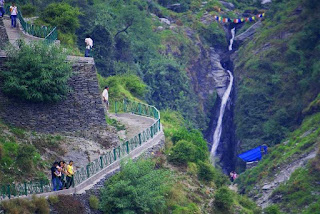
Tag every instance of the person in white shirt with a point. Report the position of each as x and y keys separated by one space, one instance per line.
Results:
x=14 y=13
x=89 y=45
x=105 y=96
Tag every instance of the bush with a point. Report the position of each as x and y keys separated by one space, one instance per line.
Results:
x=206 y=171
x=36 y=73
x=28 y=10
x=36 y=205
x=190 y=209
x=223 y=199
x=183 y=152
x=94 y=202
x=273 y=209
x=53 y=199
x=64 y=17
x=138 y=188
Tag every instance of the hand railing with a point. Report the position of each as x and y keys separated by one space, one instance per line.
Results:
x=50 y=34
x=112 y=155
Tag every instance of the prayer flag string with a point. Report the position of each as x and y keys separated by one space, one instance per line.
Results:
x=236 y=21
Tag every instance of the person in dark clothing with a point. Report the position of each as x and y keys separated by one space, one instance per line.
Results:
x=54 y=177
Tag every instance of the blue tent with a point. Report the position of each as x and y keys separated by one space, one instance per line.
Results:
x=254 y=154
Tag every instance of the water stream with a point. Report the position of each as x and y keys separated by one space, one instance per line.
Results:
x=224 y=100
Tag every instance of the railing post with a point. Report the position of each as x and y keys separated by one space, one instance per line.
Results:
x=101 y=162
x=151 y=130
x=41 y=186
x=8 y=191
x=140 y=139
x=88 y=171
x=115 y=154
x=119 y=152
x=140 y=111
x=115 y=106
x=127 y=144
x=25 y=188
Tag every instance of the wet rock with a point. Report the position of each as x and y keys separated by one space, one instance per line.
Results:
x=248 y=33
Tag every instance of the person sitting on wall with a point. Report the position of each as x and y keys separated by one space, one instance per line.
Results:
x=14 y=13
x=89 y=45
x=105 y=96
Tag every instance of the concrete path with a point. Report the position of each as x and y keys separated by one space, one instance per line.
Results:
x=15 y=34
x=134 y=123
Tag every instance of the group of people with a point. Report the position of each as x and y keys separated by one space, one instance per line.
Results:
x=233 y=176
x=13 y=12
x=62 y=175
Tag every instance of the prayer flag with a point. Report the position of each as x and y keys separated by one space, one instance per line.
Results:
x=253 y=18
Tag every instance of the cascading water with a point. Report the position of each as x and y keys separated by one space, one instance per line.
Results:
x=233 y=32
x=224 y=100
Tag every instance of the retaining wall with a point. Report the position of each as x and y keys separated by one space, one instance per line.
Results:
x=82 y=110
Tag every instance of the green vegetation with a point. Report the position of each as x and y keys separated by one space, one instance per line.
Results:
x=37 y=73
x=138 y=188
x=300 y=142
x=68 y=205
x=94 y=202
x=278 y=83
x=35 y=205
x=65 y=18
x=298 y=195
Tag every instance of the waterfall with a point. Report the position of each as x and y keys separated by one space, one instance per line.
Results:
x=217 y=132
x=233 y=32
x=224 y=100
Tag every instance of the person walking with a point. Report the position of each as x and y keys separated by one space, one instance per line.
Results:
x=13 y=13
x=89 y=45
x=105 y=96
x=70 y=174
x=2 y=11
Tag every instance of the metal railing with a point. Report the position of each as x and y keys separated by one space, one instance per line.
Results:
x=50 y=34
x=112 y=155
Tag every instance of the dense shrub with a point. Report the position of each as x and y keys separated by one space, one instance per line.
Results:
x=94 y=202
x=37 y=73
x=206 y=171
x=35 y=205
x=183 y=152
x=138 y=188
x=223 y=199
x=273 y=209
x=65 y=18
x=28 y=10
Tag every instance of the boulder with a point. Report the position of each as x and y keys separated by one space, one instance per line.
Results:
x=228 y=5
x=164 y=20
x=160 y=28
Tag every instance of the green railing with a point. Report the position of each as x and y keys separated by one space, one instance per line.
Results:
x=50 y=34
x=115 y=154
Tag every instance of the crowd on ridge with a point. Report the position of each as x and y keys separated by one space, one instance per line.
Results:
x=62 y=175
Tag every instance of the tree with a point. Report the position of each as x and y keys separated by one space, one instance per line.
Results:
x=37 y=73
x=138 y=188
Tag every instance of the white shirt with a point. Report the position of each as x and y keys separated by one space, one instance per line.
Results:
x=14 y=10
x=105 y=94
x=89 y=43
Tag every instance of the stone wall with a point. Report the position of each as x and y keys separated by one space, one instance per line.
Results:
x=82 y=110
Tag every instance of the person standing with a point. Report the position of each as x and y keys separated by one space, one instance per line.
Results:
x=54 y=177
x=89 y=45
x=14 y=13
x=70 y=174
x=231 y=176
x=2 y=11
x=105 y=96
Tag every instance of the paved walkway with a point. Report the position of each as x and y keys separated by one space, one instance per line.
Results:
x=134 y=123
x=15 y=34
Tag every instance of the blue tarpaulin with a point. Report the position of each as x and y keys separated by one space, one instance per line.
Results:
x=254 y=154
